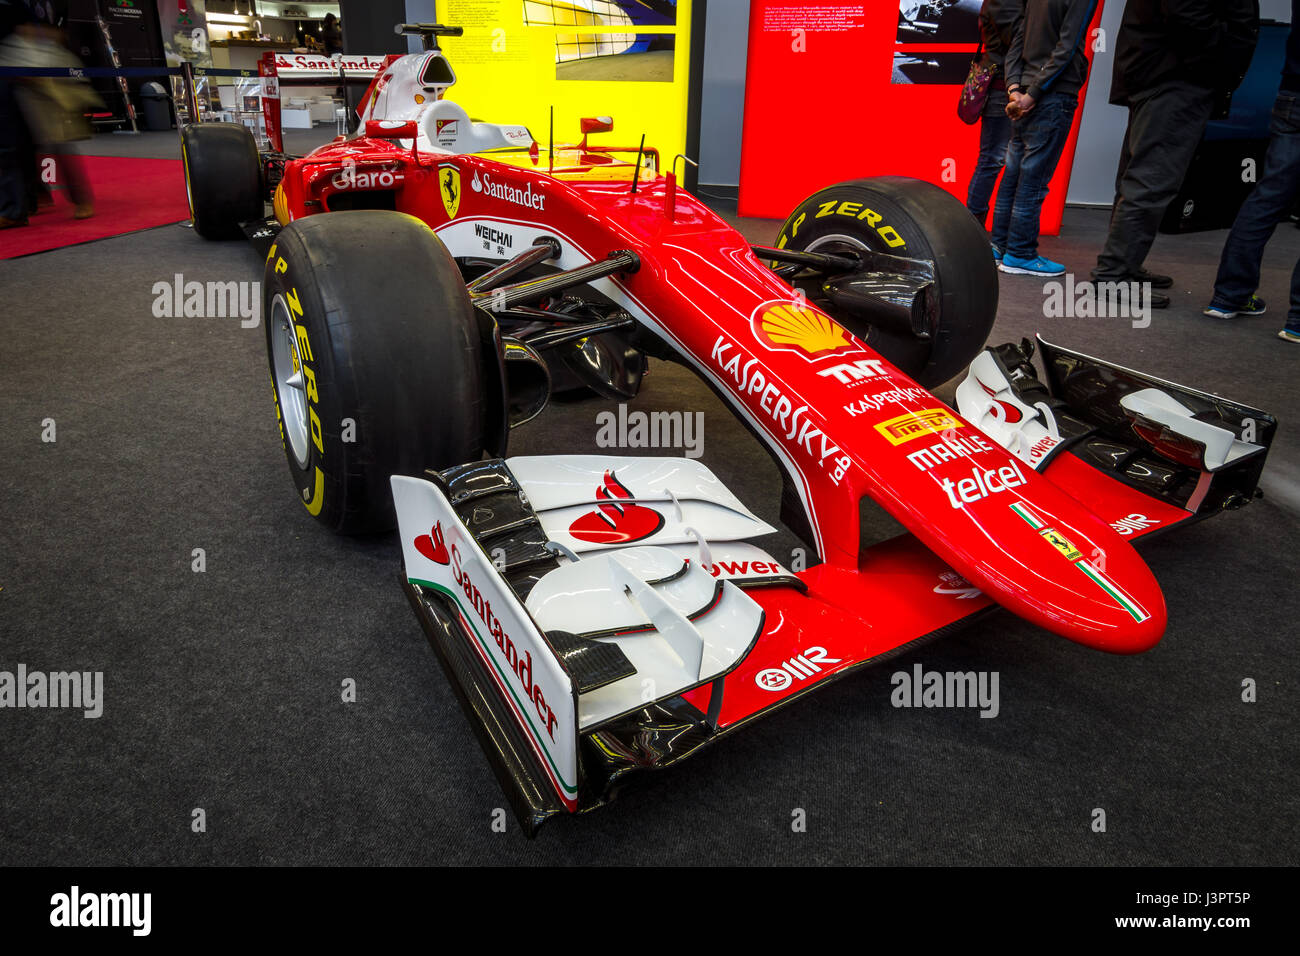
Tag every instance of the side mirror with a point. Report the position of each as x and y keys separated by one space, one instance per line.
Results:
x=392 y=129
x=594 y=124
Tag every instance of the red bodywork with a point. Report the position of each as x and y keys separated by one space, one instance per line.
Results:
x=983 y=526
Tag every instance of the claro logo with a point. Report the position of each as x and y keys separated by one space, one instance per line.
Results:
x=483 y=183
x=521 y=667
x=349 y=177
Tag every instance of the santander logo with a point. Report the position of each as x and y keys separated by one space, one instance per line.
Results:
x=520 y=196
x=616 y=523
x=432 y=547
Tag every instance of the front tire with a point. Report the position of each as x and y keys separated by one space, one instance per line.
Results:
x=223 y=178
x=916 y=219
x=375 y=361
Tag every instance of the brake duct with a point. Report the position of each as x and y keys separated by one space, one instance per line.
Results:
x=602 y=362
x=892 y=293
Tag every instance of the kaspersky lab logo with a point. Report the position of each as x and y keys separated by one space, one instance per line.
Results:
x=512 y=194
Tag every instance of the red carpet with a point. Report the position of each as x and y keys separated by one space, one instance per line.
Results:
x=130 y=194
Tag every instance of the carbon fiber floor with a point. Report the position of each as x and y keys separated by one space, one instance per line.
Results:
x=222 y=689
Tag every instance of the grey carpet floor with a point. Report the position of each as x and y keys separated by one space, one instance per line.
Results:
x=222 y=688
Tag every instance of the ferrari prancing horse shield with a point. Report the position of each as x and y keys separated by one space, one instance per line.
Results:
x=449 y=187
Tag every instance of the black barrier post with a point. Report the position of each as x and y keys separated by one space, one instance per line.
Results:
x=121 y=80
x=349 y=117
x=191 y=97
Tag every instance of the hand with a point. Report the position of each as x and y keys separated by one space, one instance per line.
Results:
x=1019 y=105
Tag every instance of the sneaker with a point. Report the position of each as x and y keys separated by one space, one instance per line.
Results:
x=997 y=253
x=1289 y=335
x=1037 y=266
x=1254 y=306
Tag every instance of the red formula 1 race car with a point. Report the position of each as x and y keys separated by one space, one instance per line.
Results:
x=601 y=616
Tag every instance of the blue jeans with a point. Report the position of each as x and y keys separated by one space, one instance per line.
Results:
x=995 y=134
x=1267 y=205
x=1037 y=140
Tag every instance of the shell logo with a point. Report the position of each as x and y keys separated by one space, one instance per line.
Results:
x=790 y=326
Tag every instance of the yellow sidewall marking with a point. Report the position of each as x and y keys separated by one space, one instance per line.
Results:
x=318 y=496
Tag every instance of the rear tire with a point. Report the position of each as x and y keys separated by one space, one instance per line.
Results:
x=908 y=217
x=223 y=178
x=370 y=311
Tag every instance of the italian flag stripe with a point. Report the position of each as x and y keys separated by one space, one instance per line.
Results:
x=1029 y=516
x=1124 y=601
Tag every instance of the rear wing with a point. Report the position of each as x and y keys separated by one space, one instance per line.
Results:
x=278 y=69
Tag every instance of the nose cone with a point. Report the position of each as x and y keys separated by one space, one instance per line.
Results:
x=1072 y=574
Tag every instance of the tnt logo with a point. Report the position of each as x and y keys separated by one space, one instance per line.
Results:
x=854 y=372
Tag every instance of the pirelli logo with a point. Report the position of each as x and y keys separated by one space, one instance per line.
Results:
x=917 y=424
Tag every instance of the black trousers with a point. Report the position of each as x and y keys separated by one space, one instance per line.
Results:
x=1165 y=125
x=16 y=157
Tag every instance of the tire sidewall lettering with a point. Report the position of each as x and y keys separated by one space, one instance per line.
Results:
x=835 y=209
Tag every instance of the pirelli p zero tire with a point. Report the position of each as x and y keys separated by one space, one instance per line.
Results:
x=908 y=217
x=375 y=361
x=223 y=178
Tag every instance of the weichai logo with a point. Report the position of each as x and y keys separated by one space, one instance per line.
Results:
x=620 y=521
x=785 y=325
x=904 y=428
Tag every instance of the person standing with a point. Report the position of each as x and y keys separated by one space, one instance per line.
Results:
x=17 y=154
x=1269 y=203
x=1174 y=60
x=998 y=21
x=331 y=36
x=1045 y=69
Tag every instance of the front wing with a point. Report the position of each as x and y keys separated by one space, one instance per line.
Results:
x=479 y=542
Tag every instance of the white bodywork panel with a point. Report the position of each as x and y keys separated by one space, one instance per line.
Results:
x=985 y=399
x=439 y=552
x=574 y=491
x=665 y=597
x=676 y=624
x=1222 y=447
x=445 y=127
